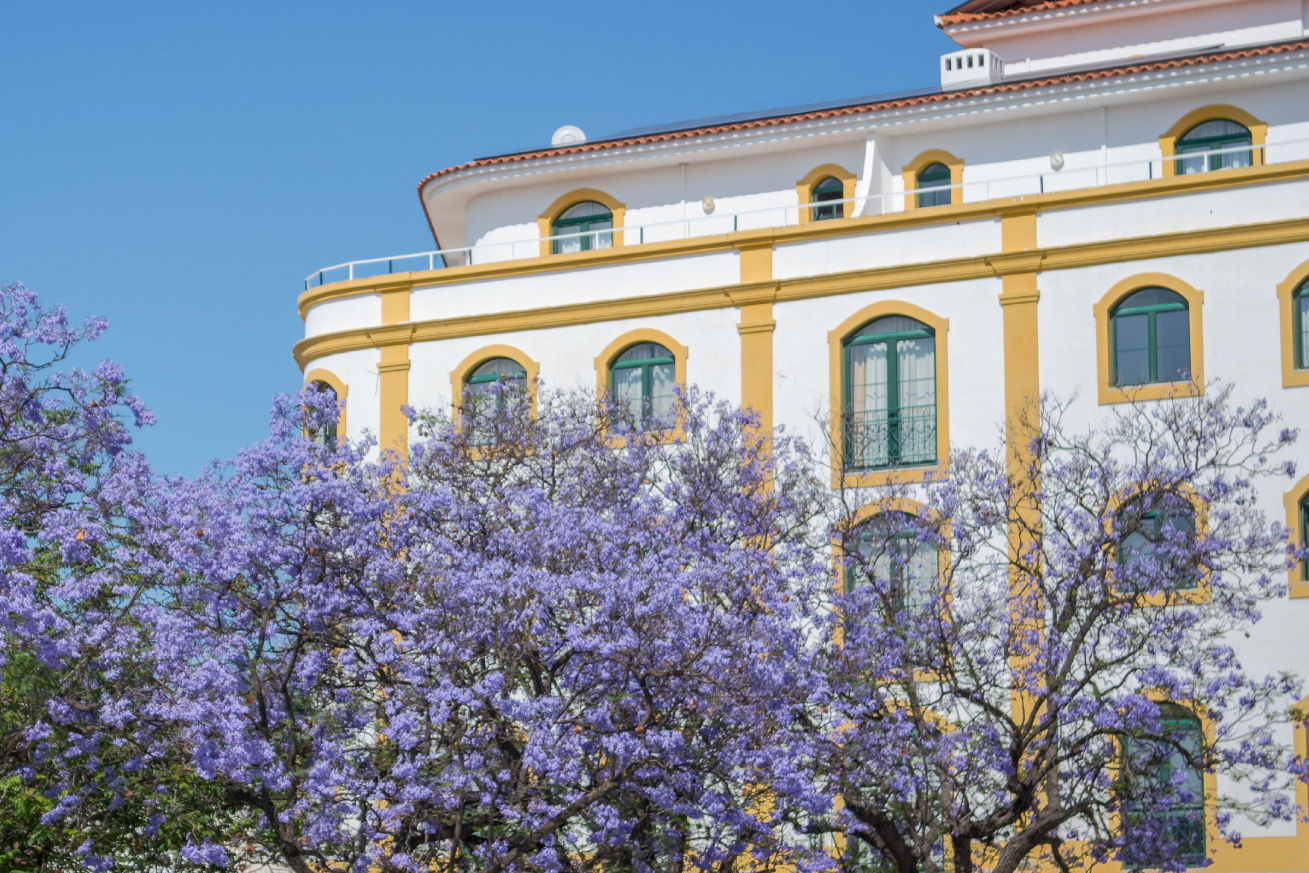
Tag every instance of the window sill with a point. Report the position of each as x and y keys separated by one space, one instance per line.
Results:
x=890 y=476
x=1187 y=597
x=1140 y=393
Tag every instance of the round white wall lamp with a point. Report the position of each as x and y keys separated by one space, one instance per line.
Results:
x=707 y=205
x=568 y=135
x=1057 y=160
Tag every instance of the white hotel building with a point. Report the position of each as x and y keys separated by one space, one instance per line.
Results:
x=1099 y=195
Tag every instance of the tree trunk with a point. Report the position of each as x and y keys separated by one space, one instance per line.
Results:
x=962 y=847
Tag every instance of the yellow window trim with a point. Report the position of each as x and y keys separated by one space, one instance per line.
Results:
x=1292 y=376
x=1297 y=586
x=545 y=221
x=459 y=375
x=836 y=369
x=1300 y=714
x=338 y=385
x=933 y=156
x=621 y=344
x=1110 y=393
x=804 y=189
x=1219 y=111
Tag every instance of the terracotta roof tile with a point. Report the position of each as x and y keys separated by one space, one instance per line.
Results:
x=897 y=103
x=1017 y=8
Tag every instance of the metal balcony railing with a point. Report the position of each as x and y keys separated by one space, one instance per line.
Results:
x=876 y=439
x=1070 y=177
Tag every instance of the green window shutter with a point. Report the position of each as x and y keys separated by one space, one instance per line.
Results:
x=1204 y=142
x=890 y=395
x=934 y=176
x=327 y=434
x=1141 y=544
x=1300 y=330
x=1155 y=763
x=1150 y=338
x=580 y=227
x=642 y=382
x=1304 y=535
x=829 y=189
x=487 y=393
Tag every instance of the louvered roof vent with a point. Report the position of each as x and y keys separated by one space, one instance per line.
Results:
x=969 y=68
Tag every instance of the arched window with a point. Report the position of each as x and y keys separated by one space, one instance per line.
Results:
x=489 y=391
x=1150 y=336
x=1158 y=547
x=1169 y=807
x=934 y=186
x=890 y=394
x=894 y=559
x=828 y=190
x=1208 y=143
x=327 y=434
x=1300 y=312
x=578 y=226
x=642 y=381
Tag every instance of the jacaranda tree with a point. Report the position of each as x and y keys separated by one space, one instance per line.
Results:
x=548 y=641
x=75 y=786
x=1038 y=655
x=561 y=635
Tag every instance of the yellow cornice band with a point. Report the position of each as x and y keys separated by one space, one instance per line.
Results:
x=781 y=291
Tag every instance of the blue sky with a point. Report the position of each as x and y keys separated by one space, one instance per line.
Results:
x=179 y=167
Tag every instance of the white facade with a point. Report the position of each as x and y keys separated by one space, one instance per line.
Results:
x=1061 y=179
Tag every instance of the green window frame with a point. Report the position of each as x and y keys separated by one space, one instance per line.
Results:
x=890 y=395
x=642 y=382
x=1300 y=313
x=1185 y=819
x=1150 y=338
x=1304 y=534
x=912 y=566
x=1140 y=544
x=500 y=378
x=827 y=190
x=586 y=220
x=327 y=434
x=934 y=186
x=1203 y=142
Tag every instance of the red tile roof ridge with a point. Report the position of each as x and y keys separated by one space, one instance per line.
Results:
x=1050 y=5
x=895 y=103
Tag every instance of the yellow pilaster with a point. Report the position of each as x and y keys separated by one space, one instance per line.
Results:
x=1022 y=394
x=756 y=330
x=393 y=369
x=1019 y=297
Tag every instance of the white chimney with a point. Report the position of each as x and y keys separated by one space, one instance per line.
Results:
x=970 y=68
